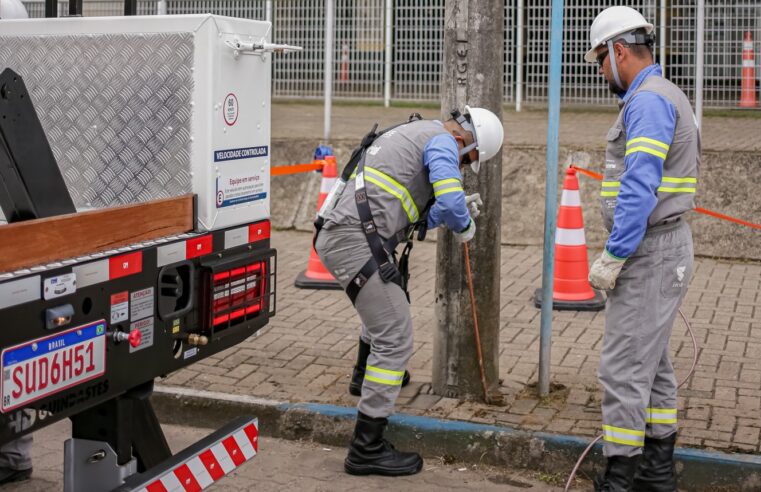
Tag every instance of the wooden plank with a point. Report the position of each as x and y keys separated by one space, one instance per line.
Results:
x=35 y=242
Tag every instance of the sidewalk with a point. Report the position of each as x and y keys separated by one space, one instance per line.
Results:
x=578 y=129
x=307 y=351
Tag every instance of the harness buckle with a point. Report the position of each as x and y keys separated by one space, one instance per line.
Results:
x=389 y=273
x=369 y=227
x=360 y=280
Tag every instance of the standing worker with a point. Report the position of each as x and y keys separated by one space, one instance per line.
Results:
x=406 y=177
x=650 y=179
x=15 y=456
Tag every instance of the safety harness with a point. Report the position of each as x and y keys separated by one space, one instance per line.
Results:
x=383 y=259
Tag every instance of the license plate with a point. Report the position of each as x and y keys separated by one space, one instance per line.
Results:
x=51 y=364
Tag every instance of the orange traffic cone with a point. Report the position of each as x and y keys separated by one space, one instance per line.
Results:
x=748 y=88
x=571 y=289
x=316 y=276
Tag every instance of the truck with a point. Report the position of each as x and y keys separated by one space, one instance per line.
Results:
x=134 y=182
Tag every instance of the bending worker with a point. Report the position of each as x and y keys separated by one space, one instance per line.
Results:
x=650 y=179
x=405 y=171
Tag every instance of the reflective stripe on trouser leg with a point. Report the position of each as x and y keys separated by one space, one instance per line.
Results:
x=386 y=315
x=661 y=415
x=639 y=316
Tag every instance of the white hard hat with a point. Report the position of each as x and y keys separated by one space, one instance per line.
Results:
x=489 y=134
x=12 y=9
x=610 y=23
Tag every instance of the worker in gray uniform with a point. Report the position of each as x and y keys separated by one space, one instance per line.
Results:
x=15 y=456
x=650 y=180
x=405 y=177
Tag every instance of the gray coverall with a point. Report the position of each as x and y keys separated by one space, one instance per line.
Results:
x=398 y=190
x=17 y=454
x=635 y=367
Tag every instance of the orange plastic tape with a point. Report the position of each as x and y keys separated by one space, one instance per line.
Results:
x=295 y=169
x=700 y=210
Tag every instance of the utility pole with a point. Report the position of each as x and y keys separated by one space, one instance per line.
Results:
x=472 y=74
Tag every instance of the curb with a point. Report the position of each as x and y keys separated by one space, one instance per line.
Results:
x=698 y=470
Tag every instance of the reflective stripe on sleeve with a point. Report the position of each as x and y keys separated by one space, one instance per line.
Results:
x=647 y=145
x=444 y=186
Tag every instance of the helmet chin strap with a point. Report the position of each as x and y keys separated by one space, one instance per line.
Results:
x=614 y=68
x=468 y=148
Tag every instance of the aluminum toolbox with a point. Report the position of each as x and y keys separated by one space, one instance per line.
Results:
x=139 y=108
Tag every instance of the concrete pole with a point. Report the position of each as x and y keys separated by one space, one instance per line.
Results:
x=329 y=46
x=471 y=74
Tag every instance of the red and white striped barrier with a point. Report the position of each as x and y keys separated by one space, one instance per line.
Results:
x=210 y=465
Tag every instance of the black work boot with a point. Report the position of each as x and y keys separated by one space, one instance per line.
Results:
x=618 y=476
x=358 y=374
x=656 y=472
x=370 y=454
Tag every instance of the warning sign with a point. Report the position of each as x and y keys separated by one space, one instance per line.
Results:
x=230 y=109
x=146 y=331
x=119 y=307
x=142 y=304
x=242 y=187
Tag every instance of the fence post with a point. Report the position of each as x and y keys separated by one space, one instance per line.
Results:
x=161 y=7
x=268 y=11
x=329 y=41
x=519 y=60
x=387 y=80
x=700 y=26
x=662 y=37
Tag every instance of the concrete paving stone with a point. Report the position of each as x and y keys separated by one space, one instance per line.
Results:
x=747 y=435
x=424 y=402
x=253 y=380
x=313 y=337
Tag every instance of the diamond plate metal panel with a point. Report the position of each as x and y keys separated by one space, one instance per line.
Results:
x=116 y=110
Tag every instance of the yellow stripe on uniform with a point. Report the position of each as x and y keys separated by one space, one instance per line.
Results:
x=610 y=184
x=451 y=185
x=394 y=382
x=650 y=141
x=620 y=435
x=384 y=376
x=666 y=179
x=443 y=182
x=647 y=150
x=661 y=416
x=385 y=371
x=400 y=192
x=676 y=190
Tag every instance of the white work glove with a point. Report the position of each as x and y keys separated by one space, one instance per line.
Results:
x=467 y=234
x=605 y=271
x=473 y=202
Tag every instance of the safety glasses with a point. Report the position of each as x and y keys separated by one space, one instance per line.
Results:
x=601 y=58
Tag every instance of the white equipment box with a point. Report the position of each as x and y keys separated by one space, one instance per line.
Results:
x=140 y=108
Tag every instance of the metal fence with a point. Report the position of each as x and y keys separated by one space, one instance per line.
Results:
x=417 y=45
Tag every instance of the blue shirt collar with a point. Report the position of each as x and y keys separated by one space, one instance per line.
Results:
x=653 y=69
